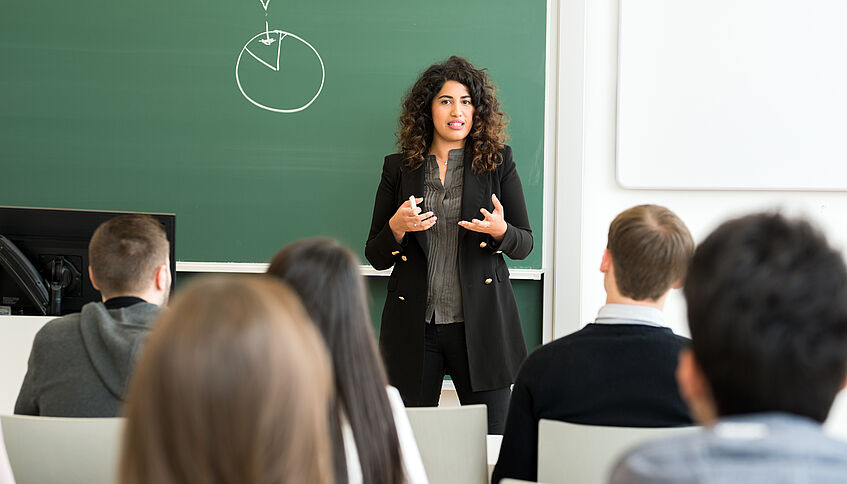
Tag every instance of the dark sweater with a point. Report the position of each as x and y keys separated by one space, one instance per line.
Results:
x=603 y=374
x=80 y=363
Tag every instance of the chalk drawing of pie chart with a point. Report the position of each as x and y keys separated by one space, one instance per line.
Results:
x=280 y=72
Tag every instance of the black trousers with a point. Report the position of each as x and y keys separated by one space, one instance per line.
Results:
x=446 y=352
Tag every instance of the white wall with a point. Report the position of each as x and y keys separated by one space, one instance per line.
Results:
x=701 y=210
x=602 y=199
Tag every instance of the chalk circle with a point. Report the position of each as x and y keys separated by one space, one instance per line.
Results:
x=279 y=36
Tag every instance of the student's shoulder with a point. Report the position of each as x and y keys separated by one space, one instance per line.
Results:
x=542 y=357
x=682 y=340
x=56 y=334
x=394 y=397
x=663 y=339
x=661 y=461
x=58 y=329
x=679 y=340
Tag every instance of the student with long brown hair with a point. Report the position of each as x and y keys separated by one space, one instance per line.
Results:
x=233 y=387
x=372 y=438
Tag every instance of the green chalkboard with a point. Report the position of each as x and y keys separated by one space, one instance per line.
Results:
x=135 y=105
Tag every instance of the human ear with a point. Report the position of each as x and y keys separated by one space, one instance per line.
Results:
x=163 y=273
x=685 y=377
x=606 y=261
x=91 y=278
x=694 y=388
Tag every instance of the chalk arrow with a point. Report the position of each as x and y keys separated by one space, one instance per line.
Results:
x=265 y=4
x=267 y=40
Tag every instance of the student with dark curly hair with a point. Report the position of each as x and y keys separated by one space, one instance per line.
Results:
x=450 y=306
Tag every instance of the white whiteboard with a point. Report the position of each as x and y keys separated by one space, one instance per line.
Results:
x=732 y=94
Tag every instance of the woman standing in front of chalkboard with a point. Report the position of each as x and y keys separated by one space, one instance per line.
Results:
x=450 y=307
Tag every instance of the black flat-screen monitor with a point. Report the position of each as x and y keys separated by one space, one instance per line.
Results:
x=55 y=244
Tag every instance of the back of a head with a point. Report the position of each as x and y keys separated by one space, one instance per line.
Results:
x=767 y=308
x=125 y=252
x=327 y=278
x=233 y=386
x=650 y=248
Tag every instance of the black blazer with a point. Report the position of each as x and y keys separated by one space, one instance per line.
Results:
x=495 y=342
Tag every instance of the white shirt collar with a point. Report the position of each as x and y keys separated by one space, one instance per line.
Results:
x=630 y=314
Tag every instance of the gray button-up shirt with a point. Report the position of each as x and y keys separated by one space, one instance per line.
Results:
x=444 y=292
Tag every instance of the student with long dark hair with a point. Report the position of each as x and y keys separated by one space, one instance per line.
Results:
x=373 y=441
x=233 y=387
x=450 y=306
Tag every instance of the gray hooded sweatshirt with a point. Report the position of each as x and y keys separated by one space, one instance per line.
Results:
x=81 y=363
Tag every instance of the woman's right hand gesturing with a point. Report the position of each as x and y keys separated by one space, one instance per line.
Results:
x=408 y=219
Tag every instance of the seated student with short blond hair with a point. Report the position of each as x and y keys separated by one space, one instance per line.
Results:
x=767 y=309
x=80 y=363
x=619 y=370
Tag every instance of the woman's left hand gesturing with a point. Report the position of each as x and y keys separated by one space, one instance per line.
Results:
x=493 y=224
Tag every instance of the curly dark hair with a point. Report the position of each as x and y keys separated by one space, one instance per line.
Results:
x=487 y=135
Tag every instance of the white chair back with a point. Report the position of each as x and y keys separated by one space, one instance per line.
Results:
x=585 y=454
x=452 y=441
x=45 y=450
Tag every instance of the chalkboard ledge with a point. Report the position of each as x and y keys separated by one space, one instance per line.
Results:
x=261 y=267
